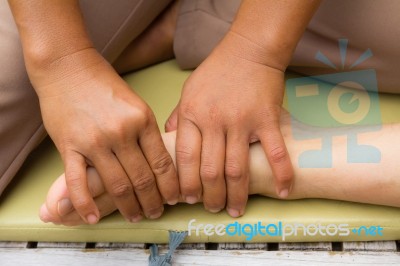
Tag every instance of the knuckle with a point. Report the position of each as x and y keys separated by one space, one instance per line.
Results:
x=214 y=112
x=121 y=190
x=144 y=183
x=96 y=141
x=81 y=203
x=278 y=154
x=209 y=173
x=270 y=115
x=74 y=182
x=162 y=164
x=272 y=111
x=142 y=115
x=185 y=155
x=232 y=171
x=190 y=112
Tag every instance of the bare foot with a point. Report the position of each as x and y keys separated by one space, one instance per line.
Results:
x=153 y=46
x=59 y=210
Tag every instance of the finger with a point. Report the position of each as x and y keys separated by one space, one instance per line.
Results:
x=104 y=201
x=188 y=150
x=212 y=170
x=143 y=181
x=161 y=164
x=58 y=200
x=237 y=173
x=118 y=185
x=75 y=175
x=172 y=121
x=278 y=158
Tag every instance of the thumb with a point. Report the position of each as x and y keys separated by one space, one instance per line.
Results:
x=172 y=121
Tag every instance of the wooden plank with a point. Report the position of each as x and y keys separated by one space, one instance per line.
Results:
x=10 y=244
x=192 y=246
x=230 y=246
x=105 y=257
x=76 y=245
x=255 y=246
x=309 y=246
x=370 y=246
x=111 y=245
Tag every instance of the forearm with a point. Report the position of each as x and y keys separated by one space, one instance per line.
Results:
x=52 y=32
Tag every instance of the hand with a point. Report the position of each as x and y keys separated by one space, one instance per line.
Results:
x=95 y=119
x=228 y=102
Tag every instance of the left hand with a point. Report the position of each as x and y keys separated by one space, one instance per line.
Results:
x=228 y=102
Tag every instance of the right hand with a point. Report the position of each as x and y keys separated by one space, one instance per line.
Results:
x=95 y=119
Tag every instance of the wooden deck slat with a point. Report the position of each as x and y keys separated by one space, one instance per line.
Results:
x=9 y=244
x=192 y=246
x=309 y=246
x=230 y=246
x=255 y=246
x=119 y=245
x=370 y=246
x=105 y=257
x=76 y=245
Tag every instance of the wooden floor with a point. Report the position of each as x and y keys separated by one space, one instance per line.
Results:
x=99 y=254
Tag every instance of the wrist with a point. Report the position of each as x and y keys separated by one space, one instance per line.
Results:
x=75 y=68
x=271 y=55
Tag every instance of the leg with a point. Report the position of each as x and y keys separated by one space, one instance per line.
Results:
x=21 y=128
x=366 y=24
x=153 y=46
x=344 y=181
x=187 y=29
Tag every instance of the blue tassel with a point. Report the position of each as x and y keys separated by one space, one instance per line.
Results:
x=175 y=239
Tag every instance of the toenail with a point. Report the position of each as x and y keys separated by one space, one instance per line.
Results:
x=64 y=207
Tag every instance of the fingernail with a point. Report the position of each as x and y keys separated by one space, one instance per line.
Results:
x=284 y=193
x=155 y=215
x=172 y=202
x=136 y=218
x=91 y=219
x=191 y=199
x=64 y=207
x=214 y=210
x=233 y=212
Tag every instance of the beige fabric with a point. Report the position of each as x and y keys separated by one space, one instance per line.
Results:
x=365 y=23
x=111 y=26
x=200 y=27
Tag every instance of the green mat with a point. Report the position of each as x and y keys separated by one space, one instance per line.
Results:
x=160 y=86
